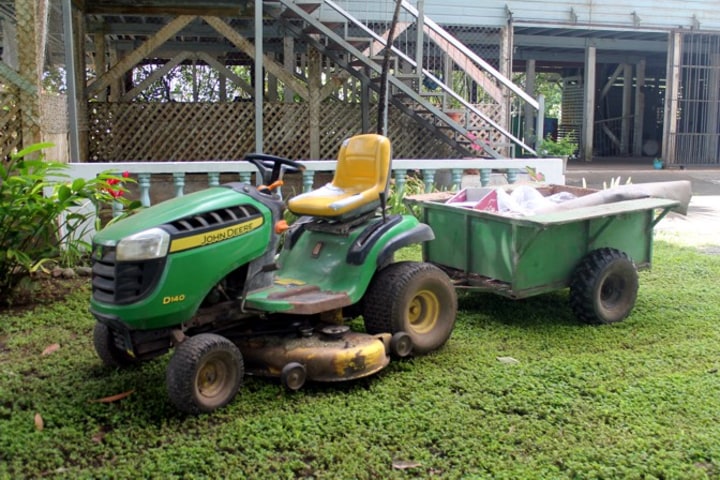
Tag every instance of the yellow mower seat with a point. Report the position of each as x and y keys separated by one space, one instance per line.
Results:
x=362 y=173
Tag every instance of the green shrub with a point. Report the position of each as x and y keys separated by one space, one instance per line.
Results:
x=38 y=223
x=562 y=147
x=413 y=185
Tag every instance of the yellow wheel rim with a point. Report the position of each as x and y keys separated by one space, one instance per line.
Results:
x=213 y=377
x=423 y=312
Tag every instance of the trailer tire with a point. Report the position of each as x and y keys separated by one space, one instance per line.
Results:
x=204 y=373
x=603 y=288
x=415 y=298
x=107 y=350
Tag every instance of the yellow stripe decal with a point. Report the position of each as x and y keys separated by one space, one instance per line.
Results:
x=215 y=236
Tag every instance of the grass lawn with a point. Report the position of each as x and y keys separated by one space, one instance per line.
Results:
x=639 y=399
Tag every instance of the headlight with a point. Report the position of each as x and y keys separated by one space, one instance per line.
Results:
x=145 y=245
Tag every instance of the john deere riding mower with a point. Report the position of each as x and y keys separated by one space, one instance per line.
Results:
x=205 y=274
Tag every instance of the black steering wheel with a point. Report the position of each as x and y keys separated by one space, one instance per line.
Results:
x=271 y=167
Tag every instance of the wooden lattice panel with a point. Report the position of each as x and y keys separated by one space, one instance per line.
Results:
x=484 y=131
x=225 y=131
x=169 y=131
x=10 y=125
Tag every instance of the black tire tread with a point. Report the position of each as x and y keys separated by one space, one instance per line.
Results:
x=106 y=349
x=381 y=310
x=583 y=284
x=182 y=368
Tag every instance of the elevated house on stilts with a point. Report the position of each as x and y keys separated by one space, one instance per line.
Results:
x=181 y=80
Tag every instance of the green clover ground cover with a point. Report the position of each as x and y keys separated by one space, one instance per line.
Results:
x=639 y=399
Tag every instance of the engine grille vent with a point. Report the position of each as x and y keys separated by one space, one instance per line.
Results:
x=213 y=219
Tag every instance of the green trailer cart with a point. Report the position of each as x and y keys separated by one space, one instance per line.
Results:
x=594 y=250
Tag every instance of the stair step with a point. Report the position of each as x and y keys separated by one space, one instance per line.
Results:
x=307 y=6
x=411 y=76
x=358 y=40
x=312 y=29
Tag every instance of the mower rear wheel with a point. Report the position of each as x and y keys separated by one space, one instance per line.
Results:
x=401 y=345
x=107 y=350
x=604 y=287
x=293 y=376
x=204 y=373
x=415 y=298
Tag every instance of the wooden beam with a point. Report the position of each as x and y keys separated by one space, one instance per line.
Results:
x=248 y=49
x=223 y=9
x=226 y=72
x=132 y=59
x=156 y=75
x=611 y=81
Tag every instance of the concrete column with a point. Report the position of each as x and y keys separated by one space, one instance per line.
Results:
x=639 y=120
x=672 y=89
x=589 y=104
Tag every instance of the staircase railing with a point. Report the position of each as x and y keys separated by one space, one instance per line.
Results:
x=477 y=130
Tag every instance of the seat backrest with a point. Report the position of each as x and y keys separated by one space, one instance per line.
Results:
x=363 y=163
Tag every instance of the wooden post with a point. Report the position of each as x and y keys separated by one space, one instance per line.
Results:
x=100 y=63
x=529 y=111
x=639 y=123
x=314 y=85
x=506 y=56
x=82 y=98
x=626 y=109
x=222 y=87
x=272 y=88
x=289 y=63
x=589 y=104
x=28 y=66
x=117 y=86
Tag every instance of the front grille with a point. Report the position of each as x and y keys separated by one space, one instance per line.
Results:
x=122 y=282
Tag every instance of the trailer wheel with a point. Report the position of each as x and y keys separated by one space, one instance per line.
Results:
x=415 y=298
x=107 y=350
x=603 y=288
x=204 y=373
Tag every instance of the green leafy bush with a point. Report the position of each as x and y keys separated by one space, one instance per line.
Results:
x=562 y=147
x=43 y=214
x=413 y=185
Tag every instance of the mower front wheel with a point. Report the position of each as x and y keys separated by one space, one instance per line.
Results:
x=107 y=350
x=415 y=298
x=204 y=373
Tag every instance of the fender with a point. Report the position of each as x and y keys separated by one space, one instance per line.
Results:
x=418 y=234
